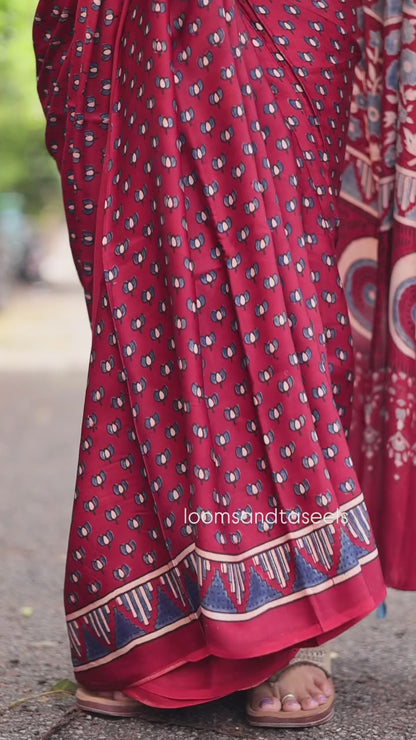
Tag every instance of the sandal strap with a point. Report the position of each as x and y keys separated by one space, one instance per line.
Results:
x=317 y=656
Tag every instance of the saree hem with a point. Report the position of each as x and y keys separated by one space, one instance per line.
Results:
x=201 y=676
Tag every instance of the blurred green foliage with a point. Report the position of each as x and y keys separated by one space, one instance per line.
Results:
x=25 y=166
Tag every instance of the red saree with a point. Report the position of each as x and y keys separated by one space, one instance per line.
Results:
x=200 y=147
x=378 y=265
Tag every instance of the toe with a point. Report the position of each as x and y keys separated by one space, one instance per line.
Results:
x=324 y=685
x=264 y=698
x=290 y=704
x=318 y=696
x=270 y=704
x=308 y=702
x=321 y=698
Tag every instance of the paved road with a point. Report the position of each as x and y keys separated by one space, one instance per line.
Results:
x=43 y=354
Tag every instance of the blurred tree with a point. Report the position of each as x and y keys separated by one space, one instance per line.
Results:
x=25 y=167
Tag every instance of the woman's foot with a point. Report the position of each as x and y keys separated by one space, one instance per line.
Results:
x=110 y=703
x=301 y=695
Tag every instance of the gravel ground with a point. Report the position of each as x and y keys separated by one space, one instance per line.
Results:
x=43 y=346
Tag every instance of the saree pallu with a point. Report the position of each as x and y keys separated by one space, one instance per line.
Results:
x=200 y=146
x=377 y=260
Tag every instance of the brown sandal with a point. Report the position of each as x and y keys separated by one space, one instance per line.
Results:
x=110 y=703
x=257 y=717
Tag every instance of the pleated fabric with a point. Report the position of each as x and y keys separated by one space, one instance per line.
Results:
x=377 y=259
x=218 y=521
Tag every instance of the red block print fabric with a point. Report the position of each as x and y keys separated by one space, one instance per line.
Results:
x=200 y=146
x=378 y=264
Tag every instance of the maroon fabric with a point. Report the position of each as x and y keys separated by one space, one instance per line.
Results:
x=377 y=249
x=200 y=147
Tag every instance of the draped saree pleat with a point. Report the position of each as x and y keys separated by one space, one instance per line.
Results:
x=218 y=521
x=377 y=259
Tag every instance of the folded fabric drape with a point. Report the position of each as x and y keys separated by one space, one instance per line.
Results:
x=377 y=259
x=218 y=522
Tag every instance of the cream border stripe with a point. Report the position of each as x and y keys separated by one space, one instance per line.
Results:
x=227 y=618
x=212 y=556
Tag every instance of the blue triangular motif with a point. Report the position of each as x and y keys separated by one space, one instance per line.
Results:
x=167 y=611
x=192 y=591
x=216 y=599
x=260 y=592
x=95 y=649
x=306 y=574
x=350 y=553
x=125 y=631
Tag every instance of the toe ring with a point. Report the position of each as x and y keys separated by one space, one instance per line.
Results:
x=286 y=697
